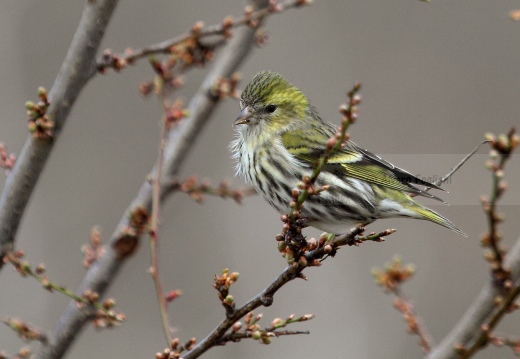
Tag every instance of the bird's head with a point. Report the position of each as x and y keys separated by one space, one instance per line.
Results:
x=270 y=105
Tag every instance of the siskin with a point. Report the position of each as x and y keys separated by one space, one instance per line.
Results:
x=280 y=138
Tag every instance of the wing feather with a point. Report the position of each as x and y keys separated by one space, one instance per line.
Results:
x=352 y=161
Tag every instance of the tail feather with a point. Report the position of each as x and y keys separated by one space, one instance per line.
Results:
x=432 y=216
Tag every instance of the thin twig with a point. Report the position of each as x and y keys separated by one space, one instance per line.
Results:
x=485 y=330
x=392 y=279
x=251 y=18
x=456 y=168
x=265 y=297
x=334 y=144
x=501 y=150
x=492 y=217
x=197 y=189
x=88 y=298
x=235 y=337
x=472 y=331
x=25 y=331
x=502 y=340
x=414 y=323
x=154 y=232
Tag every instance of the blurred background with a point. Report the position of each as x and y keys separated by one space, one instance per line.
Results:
x=436 y=77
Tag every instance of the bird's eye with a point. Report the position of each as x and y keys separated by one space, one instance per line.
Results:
x=270 y=108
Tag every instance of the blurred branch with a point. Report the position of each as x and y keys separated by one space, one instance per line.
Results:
x=470 y=326
x=87 y=298
x=392 y=279
x=26 y=331
x=154 y=225
x=7 y=161
x=512 y=342
x=126 y=237
x=497 y=297
x=197 y=189
x=76 y=70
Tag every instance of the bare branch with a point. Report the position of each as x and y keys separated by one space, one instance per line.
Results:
x=311 y=257
x=497 y=297
x=501 y=150
x=197 y=189
x=236 y=337
x=479 y=312
x=459 y=165
x=154 y=227
x=250 y=18
x=87 y=298
x=76 y=70
x=26 y=331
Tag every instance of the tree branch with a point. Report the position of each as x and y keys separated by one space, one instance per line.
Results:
x=265 y=298
x=76 y=70
x=479 y=312
x=250 y=18
x=125 y=238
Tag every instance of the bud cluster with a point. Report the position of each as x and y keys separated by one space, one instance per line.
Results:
x=222 y=284
x=6 y=160
x=94 y=249
x=40 y=125
x=394 y=274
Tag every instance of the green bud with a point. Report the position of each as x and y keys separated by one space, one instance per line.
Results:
x=266 y=340
x=32 y=127
x=229 y=299
x=42 y=92
x=29 y=105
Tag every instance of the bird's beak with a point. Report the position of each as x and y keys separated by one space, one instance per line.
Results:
x=244 y=117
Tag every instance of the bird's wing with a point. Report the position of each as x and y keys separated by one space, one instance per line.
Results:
x=352 y=161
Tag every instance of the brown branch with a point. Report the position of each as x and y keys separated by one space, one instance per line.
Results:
x=392 y=279
x=334 y=144
x=77 y=68
x=496 y=298
x=413 y=322
x=125 y=238
x=265 y=297
x=293 y=223
x=104 y=310
x=236 y=337
x=479 y=313
x=26 y=331
x=501 y=150
x=484 y=336
x=154 y=227
x=251 y=18
x=500 y=341
x=197 y=189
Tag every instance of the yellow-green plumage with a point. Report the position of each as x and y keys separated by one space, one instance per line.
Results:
x=281 y=137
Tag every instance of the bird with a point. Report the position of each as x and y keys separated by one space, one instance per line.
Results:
x=279 y=139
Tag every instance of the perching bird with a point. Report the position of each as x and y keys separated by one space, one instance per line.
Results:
x=281 y=137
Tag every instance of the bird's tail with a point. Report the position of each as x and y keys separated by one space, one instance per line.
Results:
x=432 y=216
